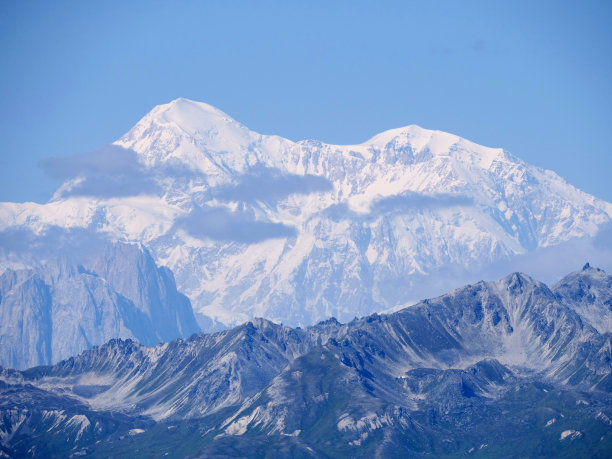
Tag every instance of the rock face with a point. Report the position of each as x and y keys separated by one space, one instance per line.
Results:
x=589 y=293
x=256 y=225
x=443 y=377
x=63 y=307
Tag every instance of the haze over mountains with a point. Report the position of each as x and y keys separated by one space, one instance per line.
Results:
x=497 y=368
x=296 y=233
x=257 y=225
x=74 y=302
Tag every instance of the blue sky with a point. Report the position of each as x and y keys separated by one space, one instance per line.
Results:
x=532 y=77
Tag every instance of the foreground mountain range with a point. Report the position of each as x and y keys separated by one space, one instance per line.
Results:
x=258 y=225
x=496 y=369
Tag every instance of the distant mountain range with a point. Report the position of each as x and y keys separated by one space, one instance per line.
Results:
x=497 y=369
x=257 y=225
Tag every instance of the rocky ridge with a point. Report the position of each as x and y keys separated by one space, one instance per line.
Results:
x=443 y=377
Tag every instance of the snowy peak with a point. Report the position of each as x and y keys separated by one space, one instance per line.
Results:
x=186 y=130
x=191 y=116
x=435 y=143
x=242 y=219
x=183 y=123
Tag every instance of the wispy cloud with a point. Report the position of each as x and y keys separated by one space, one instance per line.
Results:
x=222 y=224
x=114 y=171
x=54 y=241
x=262 y=183
x=399 y=204
x=603 y=238
x=409 y=201
x=549 y=264
x=111 y=172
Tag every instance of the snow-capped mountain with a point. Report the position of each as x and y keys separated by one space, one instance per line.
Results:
x=438 y=379
x=257 y=225
x=68 y=305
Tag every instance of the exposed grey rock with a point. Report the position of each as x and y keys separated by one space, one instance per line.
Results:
x=64 y=307
x=589 y=293
x=444 y=377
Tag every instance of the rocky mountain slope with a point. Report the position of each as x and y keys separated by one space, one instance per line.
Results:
x=257 y=225
x=496 y=368
x=588 y=292
x=67 y=305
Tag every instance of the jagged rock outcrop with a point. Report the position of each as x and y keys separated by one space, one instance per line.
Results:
x=68 y=305
x=589 y=293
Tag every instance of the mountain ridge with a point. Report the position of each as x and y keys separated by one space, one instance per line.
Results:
x=417 y=382
x=242 y=218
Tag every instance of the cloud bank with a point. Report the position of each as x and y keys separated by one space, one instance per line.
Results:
x=221 y=224
x=21 y=243
x=262 y=183
x=399 y=204
x=111 y=172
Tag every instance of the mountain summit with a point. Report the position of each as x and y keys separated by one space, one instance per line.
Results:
x=258 y=225
x=187 y=122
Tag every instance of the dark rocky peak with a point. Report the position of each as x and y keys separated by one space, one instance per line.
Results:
x=588 y=267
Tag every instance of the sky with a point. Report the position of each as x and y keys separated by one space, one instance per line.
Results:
x=532 y=77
